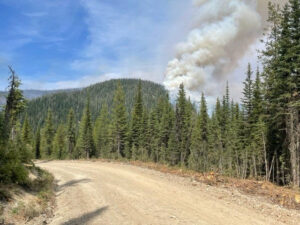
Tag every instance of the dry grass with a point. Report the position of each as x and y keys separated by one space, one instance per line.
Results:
x=19 y=205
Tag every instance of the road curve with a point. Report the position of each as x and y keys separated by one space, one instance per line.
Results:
x=112 y=193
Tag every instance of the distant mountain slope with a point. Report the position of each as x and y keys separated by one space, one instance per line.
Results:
x=30 y=94
x=60 y=103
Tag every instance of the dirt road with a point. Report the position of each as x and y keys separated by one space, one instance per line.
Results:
x=112 y=193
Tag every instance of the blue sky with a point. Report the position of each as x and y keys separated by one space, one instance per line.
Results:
x=56 y=44
x=73 y=43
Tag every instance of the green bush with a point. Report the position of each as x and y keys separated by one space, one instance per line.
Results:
x=11 y=168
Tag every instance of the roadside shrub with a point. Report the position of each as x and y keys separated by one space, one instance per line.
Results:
x=11 y=169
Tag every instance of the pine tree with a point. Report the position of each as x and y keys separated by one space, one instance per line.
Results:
x=198 y=158
x=225 y=114
x=101 y=136
x=289 y=45
x=257 y=129
x=71 y=133
x=234 y=141
x=153 y=135
x=173 y=150
x=38 y=144
x=13 y=153
x=247 y=100
x=182 y=125
x=294 y=50
x=26 y=140
x=85 y=146
x=119 y=123
x=167 y=121
x=274 y=120
x=257 y=98
x=59 y=143
x=280 y=66
x=143 y=142
x=2 y=134
x=48 y=135
x=215 y=138
x=26 y=132
x=204 y=119
x=137 y=118
x=15 y=104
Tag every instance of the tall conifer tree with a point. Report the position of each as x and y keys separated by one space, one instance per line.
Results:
x=37 y=148
x=85 y=146
x=101 y=136
x=71 y=133
x=26 y=132
x=182 y=125
x=119 y=123
x=198 y=158
x=137 y=118
x=59 y=143
x=48 y=135
x=15 y=104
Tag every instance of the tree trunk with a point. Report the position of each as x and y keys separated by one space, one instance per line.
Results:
x=266 y=158
x=293 y=133
x=87 y=153
x=254 y=165
x=271 y=168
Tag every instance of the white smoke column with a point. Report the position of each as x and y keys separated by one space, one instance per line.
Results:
x=224 y=30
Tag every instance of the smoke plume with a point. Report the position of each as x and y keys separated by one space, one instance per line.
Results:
x=223 y=32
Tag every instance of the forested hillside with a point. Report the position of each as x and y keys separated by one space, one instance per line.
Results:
x=99 y=94
x=30 y=94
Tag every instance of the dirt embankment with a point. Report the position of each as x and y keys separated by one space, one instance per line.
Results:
x=114 y=193
x=31 y=203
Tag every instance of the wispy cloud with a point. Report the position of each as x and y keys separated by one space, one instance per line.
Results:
x=67 y=84
x=126 y=41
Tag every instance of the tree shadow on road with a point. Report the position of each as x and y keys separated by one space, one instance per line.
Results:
x=42 y=161
x=72 y=183
x=83 y=219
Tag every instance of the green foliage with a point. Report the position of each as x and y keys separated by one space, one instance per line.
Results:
x=15 y=104
x=183 y=125
x=137 y=119
x=281 y=94
x=85 y=147
x=37 y=146
x=48 y=133
x=15 y=144
x=248 y=93
x=71 y=133
x=26 y=132
x=59 y=143
x=199 y=144
x=24 y=149
x=11 y=168
x=101 y=133
x=2 y=129
x=119 y=124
